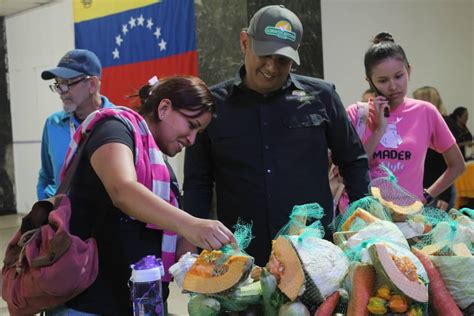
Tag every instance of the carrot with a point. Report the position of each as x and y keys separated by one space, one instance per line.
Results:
x=362 y=282
x=328 y=306
x=440 y=298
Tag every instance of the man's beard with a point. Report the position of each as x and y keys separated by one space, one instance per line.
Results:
x=69 y=108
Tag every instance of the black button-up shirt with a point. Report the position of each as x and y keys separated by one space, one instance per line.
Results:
x=268 y=153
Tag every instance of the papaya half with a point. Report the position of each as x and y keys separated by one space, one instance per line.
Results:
x=213 y=272
x=399 y=213
x=398 y=271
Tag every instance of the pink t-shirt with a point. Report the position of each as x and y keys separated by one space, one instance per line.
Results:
x=413 y=127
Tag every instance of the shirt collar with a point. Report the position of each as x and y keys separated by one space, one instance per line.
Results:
x=238 y=81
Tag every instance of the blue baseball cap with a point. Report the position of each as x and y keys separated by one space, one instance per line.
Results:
x=75 y=63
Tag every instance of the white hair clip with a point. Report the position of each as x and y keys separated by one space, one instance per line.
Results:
x=153 y=80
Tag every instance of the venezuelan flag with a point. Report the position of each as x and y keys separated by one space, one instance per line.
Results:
x=135 y=40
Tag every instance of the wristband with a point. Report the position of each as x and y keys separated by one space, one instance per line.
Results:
x=427 y=196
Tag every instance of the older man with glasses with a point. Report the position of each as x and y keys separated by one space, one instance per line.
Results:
x=77 y=81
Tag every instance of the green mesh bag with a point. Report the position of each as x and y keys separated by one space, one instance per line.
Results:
x=448 y=231
x=369 y=204
x=397 y=201
x=300 y=216
x=390 y=190
x=323 y=263
x=243 y=237
x=450 y=245
x=468 y=212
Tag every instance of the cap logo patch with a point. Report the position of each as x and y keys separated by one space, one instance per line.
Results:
x=67 y=59
x=282 y=30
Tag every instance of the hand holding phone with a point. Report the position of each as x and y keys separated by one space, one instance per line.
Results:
x=386 y=110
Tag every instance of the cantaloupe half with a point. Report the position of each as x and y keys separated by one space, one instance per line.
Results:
x=399 y=213
x=213 y=273
x=387 y=269
x=292 y=276
x=361 y=214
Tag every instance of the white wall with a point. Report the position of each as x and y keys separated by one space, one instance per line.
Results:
x=471 y=106
x=36 y=40
x=438 y=36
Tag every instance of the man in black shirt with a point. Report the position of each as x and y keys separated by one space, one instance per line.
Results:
x=267 y=150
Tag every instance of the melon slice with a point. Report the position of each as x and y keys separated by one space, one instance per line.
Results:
x=433 y=249
x=406 y=282
x=399 y=213
x=460 y=249
x=213 y=273
x=361 y=214
x=292 y=275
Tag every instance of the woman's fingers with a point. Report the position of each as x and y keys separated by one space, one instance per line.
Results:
x=442 y=205
x=213 y=234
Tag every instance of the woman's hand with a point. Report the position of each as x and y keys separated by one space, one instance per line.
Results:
x=207 y=234
x=377 y=119
x=442 y=205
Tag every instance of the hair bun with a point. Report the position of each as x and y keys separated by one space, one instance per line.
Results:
x=144 y=92
x=383 y=37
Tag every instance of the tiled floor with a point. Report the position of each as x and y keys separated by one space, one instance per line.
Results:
x=177 y=302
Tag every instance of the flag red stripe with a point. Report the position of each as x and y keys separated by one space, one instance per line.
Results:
x=118 y=82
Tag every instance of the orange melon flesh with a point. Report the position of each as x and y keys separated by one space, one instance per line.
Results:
x=399 y=213
x=208 y=277
x=386 y=267
x=358 y=213
x=292 y=277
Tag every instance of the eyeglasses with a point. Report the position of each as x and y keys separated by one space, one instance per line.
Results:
x=64 y=87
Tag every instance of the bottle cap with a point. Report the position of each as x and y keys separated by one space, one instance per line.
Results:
x=148 y=269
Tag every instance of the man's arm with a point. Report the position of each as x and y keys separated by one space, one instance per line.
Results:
x=198 y=177
x=46 y=186
x=347 y=150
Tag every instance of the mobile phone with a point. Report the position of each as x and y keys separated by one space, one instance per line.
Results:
x=386 y=111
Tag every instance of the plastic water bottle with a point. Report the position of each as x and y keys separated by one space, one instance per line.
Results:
x=145 y=287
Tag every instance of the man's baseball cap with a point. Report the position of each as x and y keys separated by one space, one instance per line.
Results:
x=275 y=30
x=75 y=63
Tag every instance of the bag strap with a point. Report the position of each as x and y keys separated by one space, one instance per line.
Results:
x=361 y=118
x=174 y=185
x=65 y=184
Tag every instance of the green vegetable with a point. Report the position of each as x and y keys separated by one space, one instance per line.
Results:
x=200 y=305
x=241 y=298
x=458 y=275
x=272 y=297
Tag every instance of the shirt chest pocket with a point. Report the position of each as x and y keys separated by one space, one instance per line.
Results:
x=309 y=127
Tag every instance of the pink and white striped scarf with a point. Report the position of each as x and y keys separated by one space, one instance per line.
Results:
x=149 y=164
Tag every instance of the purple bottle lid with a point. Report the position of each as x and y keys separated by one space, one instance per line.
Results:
x=148 y=262
x=148 y=269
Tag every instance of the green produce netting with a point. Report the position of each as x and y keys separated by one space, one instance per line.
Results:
x=390 y=190
x=446 y=232
x=468 y=212
x=369 y=204
x=304 y=221
x=243 y=237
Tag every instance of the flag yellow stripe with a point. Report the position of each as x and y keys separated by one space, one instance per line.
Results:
x=92 y=9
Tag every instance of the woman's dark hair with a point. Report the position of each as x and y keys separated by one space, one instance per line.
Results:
x=459 y=111
x=185 y=93
x=383 y=47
